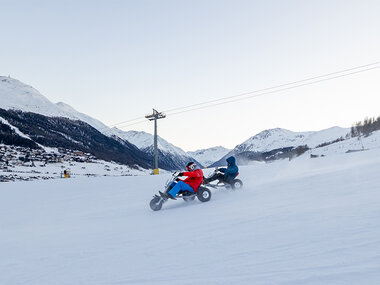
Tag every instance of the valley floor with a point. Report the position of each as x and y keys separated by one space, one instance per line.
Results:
x=305 y=221
x=42 y=171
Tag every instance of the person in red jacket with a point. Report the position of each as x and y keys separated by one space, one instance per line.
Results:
x=194 y=178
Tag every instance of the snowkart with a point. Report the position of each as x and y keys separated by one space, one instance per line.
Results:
x=235 y=184
x=203 y=194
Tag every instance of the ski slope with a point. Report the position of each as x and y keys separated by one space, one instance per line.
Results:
x=305 y=221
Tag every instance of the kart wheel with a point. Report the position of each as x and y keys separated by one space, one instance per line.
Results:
x=188 y=198
x=156 y=203
x=237 y=184
x=204 y=195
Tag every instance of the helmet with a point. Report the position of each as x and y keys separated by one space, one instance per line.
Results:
x=191 y=166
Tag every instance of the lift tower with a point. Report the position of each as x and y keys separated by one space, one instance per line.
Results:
x=155 y=116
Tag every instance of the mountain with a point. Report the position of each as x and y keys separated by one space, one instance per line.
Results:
x=38 y=131
x=281 y=143
x=276 y=138
x=71 y=113
x=19 y=96
x=170 y=157
x=29 y=119
x=210 y=155
x=16 y=95
x=19 y=102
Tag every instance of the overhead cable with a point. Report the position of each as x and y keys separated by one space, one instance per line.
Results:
x=270 y=88
x=259 y=92
x=270 y=92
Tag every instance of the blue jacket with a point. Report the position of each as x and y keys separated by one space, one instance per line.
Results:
x=232 y=170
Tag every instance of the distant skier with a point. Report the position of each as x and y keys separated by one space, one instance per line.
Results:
x=191 y=183
x=227 y=174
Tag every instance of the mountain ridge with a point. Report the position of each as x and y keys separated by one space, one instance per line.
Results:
x=16 y=95
x=209 y=155
x=267 y=145
x=169 y=156
x=23 y=128
x=280 y=143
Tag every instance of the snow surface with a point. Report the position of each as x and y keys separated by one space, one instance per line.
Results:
x=352 y=144
x=210 y=155
x=18 y=96
x=305 y=221
x=279 y=138
x=77 y=169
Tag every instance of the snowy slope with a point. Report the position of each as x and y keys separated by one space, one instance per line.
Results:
x=305 y=221
x=16 y=130
x=210 y=155
x=171 y=157
x=74 y=114
x=144 y=140
x=18 y=96
x=280 y=143
x=352 y=144
x=278 y=138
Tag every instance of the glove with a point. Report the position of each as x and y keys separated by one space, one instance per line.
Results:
x=180 y=174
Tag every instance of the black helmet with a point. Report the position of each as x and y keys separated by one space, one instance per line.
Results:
x=191 y=166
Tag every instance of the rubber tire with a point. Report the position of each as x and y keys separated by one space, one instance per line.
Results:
x=204 y=195
x=236 y=184
x=155 y=205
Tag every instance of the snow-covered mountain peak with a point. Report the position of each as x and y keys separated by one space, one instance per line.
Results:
x=66 y=107
x=279 y=138
x=271 y=133
x=171 y=156
x=262 y=139
x=19 y=96
x=144 y=140
x=11 y=83
x=210 y=155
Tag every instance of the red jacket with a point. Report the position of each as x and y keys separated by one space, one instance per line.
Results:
x=194 y=178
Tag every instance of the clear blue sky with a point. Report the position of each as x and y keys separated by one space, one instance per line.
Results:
x=115 y=60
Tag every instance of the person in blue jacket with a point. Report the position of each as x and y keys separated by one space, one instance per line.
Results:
x=227 y=174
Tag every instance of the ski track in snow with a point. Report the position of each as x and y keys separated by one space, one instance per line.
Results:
x=17 y=131
x=307 y=221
